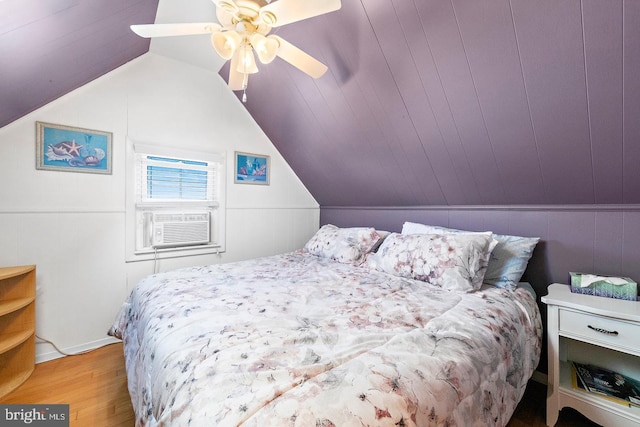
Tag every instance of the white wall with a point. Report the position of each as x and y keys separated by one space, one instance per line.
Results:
x=72 y=225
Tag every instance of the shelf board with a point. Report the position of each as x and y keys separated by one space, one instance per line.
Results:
x=12 y=340
x=16 y=304
x=562 y=296
x=13 y=382
x=8 y=272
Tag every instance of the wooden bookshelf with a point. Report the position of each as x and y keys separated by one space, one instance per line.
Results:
x=17 y=325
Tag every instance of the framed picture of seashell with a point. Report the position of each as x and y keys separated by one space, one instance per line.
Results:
x=72 y=149
x=252 y=168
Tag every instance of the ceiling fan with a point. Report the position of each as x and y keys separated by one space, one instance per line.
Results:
x=243 y=33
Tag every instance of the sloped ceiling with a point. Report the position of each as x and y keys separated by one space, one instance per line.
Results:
x=426 y=102
x=51 y=47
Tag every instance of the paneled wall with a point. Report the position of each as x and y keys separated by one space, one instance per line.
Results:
x=72 y=225
x=462 y=102
x=592 y=239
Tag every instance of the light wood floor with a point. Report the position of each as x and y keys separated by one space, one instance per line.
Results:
x=95 y=387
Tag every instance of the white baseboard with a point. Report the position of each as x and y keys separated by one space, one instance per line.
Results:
x=73 y=350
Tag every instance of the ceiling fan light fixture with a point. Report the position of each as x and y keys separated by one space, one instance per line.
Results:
x=242 y=29
x=247 y=62
x=266 y=47
x=225 y=44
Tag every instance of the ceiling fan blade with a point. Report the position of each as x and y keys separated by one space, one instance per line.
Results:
x=167 y=30
x=236 y=78
x=300 y=59
x=284 y=12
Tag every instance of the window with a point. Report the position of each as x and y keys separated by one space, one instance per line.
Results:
x=172 y=179
x=177 y=200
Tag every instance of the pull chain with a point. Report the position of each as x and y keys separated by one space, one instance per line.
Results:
x=245 y=83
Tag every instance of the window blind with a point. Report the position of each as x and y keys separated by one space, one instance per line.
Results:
x=168 y=179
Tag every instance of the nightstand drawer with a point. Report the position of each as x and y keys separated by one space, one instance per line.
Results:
x=602 y=329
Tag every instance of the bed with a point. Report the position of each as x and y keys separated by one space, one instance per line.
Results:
x=351 y=330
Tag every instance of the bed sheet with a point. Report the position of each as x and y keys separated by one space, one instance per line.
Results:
x=298 y=340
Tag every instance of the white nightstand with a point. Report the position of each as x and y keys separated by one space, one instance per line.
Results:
x=597 y=330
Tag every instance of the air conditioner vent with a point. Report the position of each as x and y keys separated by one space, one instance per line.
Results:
x=180 y=229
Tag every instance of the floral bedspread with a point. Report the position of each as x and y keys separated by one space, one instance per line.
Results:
x=298 y=340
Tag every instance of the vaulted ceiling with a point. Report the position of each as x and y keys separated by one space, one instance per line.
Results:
x=49 y=48
x=426 y=102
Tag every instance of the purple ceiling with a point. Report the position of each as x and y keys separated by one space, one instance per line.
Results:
x=426 y=102
x=49 y=48
x=461 y=102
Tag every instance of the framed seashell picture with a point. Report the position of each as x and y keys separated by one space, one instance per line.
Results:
x=252 y=168
x=72 y=149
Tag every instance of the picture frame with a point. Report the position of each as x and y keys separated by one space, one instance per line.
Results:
x=73 y=149
x=252 y=168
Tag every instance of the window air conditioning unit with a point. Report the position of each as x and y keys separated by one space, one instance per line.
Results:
x=180 y=229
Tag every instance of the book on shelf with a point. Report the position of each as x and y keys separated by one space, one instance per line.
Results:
x=606 y=383
x=579 y=385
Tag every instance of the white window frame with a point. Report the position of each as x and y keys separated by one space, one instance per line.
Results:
x=135 y=206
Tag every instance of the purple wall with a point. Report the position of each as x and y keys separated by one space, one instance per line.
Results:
x=593 y=239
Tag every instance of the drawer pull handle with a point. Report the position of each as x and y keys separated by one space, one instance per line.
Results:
x=603 y=331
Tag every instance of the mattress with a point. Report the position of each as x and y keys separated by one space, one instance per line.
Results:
x=300 y=340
